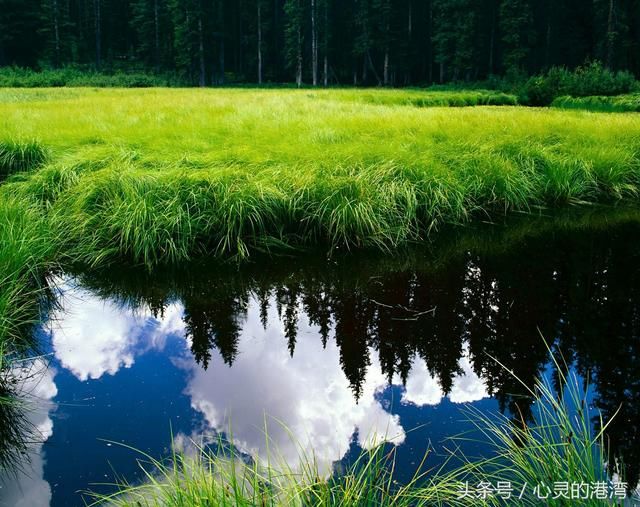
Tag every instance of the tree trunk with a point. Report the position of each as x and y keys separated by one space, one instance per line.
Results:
x=156 y=26
x=221 y=79
x=326 y=43
x=299 y=59
x=373 y=67
x=314 y=43
x=98 y=32
x=365 y=69
x=221 y=62
x=611 y=34
x=259 y=42
x=386 y=67
x=409 y=63
x=547 y=50
x=56 y=32
x=430 y=44
x=385 y=72
x=492 y=39
x=201 y=53
x=325 y=71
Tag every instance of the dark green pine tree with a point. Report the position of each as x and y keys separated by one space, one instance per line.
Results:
x=20 y=43
x=188 y=36
x=294 y=37
x=150 y=23
x=57 y=32
x=516 y=26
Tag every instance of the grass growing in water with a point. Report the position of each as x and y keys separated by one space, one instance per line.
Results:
x=159 y=176
x=559 y=447
x=26 y=250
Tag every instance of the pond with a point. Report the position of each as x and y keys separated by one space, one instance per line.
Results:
x=332 y=354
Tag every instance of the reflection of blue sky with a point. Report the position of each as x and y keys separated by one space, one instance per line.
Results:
x=126 y=376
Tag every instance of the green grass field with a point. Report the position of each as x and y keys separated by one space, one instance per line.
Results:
x=162 y=175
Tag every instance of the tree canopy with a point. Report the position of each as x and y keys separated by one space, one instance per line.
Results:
x=346 y=42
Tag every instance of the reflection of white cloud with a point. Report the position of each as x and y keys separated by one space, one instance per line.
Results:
x=424 y=389
x=27 y=487
x=309 y=394
x=467 y=387
x=421 y=388
x=92 y=336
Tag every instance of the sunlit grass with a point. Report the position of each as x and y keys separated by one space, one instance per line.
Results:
x=20 y=156
x=159 y=176
x=26 y=249
x=162 y=175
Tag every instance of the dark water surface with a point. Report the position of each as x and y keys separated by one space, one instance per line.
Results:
x=338 y=350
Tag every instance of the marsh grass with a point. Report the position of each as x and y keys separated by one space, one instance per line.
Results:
x=562 y=446
x=559 y=446
x=161 y=176
x=17 y=156
x=416 y=97
x=26 y=250
x=17 y=431
x=223 y=476
x=607 y=104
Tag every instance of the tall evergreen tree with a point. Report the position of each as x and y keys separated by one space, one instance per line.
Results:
x=516 y=25
x=294 y=10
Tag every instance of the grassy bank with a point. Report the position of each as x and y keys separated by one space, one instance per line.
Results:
x=558 y=448
x=26 y=250
x=159 y=176
x=162 y=175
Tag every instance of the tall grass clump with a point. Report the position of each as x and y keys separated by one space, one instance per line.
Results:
x=421 y=97
x=17 y=431
x=17 y=156
x=26 y=250
x=618 y=104
x=224 y=476
x=560 y=446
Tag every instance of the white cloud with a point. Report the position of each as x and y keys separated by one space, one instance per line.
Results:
x=92 y=336
x=422 y=388
x=309 y=394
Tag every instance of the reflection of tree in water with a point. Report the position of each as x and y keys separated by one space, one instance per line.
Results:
x=213 y=320
x=578 y=289
x=602 y=330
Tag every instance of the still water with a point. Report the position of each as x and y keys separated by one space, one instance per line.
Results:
x=342 y=351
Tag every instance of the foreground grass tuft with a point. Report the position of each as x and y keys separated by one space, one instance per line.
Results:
x=559 y=447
